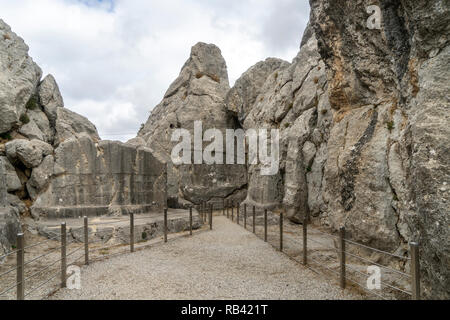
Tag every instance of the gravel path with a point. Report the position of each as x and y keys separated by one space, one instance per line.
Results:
x=226 y=263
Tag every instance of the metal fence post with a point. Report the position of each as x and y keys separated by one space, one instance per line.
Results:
x=281 y=231
x=254 y=219
x=305 y=241
x=63 y=255
x=228 y=209
x=132 y=232
x=342 y=254
x=211 y=217
x=232 y=211
x=265 y=225
x=20 y=267
x=238 y=209
x=86 y=241
x=201 y=211
x=165 y=225
x=415 y=270
x=245 y=216
x=190 y=221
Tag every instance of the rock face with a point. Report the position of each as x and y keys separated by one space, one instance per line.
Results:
x=52 y=162
x=198 y=94
x=9 y=219
x=15 y=91
x=387 y=171
x=364 y=122
x=292 y=99
x=106 y=178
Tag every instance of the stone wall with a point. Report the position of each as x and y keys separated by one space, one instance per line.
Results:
x=52 y=161
x=103 y=178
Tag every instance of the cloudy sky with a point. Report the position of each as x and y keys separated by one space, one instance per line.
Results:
x=114 y=59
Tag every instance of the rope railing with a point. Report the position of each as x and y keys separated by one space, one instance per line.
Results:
x=42 y=242
x=376 y=250
x=41 y=256
x=340 y=250
x=8 y=289
x=42 y=270
x=366 y=290
x=322 y=244
x=22 y=251
x=9 y=254
x=7 y=272
x=378 y=265
x=382 y=282
x=29 y=293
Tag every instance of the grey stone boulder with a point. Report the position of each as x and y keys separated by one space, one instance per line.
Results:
x=42 y=122
x=13 y=182
x=242 y=97
x=71 y=125
x=50 y=98
x=15 y=202
x=97 y=178
x=32 y=131
x=40 y=177
x=30 y=153
x=19 y=78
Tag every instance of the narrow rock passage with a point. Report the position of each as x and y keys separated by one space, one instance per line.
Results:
x=226 y=263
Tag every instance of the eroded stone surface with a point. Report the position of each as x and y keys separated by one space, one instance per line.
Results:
x=198 y=94
x=105 y=178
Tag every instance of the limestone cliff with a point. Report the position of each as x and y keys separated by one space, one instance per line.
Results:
x=363 y=115
x=364 y=123
x=198 y=94
x=52 y=162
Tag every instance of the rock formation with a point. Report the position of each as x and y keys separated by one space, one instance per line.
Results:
x=364 y=134
x=198 y=94
x=387 y=171
x=364 y=122
x=52 y=161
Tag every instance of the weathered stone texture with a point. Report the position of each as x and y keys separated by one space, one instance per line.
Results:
x=388 y=159
x=198 y=94
x=19 y=77
x=105 y=178
x=52 y=159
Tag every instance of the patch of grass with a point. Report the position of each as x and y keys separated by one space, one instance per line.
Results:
x=144 y=236
x=324 y=111
x=276 y=75
x=6 y=136
x=390 y=126
x=24 y=118
x=309 y=169
x=287 y=125
x=13 y=247
x=395 y=198
x=104 y=252
x=290 y=106
x=32 y=104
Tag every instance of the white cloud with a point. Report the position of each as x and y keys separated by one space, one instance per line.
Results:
x=114 y=60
